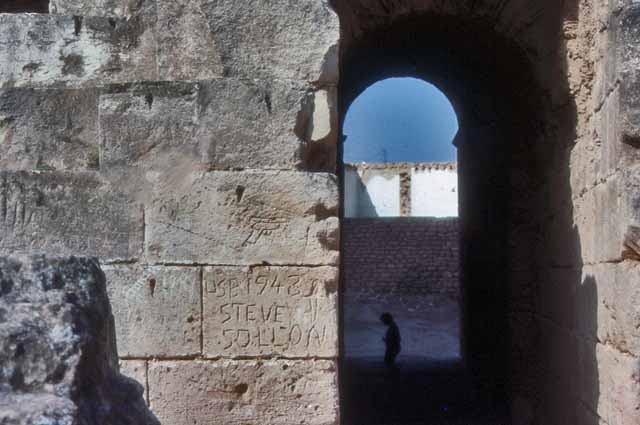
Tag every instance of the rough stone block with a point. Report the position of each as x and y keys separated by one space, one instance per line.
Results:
x=119 y=8
x=50 y=50
x=48 y=129
x=245 y=218
x=151 y=124
x=273 y=40
x=57 y=347
x=259 y=392
x=156 y=310
x=253 y=124
x=598 y=216
x=619 y=387
x=270 y=311
x=188 y=48
x=69 y=214
x=617 y=297
x=221 y=124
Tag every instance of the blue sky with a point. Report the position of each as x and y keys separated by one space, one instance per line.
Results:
x=400 y=120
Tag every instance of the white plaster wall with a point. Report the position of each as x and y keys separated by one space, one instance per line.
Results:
x=434 y=193
x=370 y=195
x=384 y=193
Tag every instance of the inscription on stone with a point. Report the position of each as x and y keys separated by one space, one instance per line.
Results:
x=284 y=311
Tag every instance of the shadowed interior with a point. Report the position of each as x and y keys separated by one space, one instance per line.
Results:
x=512 y=148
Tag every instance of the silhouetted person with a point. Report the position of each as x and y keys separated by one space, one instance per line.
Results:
x=391 y=340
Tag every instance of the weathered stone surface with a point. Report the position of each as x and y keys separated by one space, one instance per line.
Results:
x=57 y=343
x=270 y=311
x=67 y=214
x=283 y=39
x=318 y=126
x=48 y=129
x=245 y=218
x=156 y=309
x=618 y=304
x=601 y=235
x=187 y=47
x=152 y=124
x=50 y=50
x=260 y=392
x=618 y=387
x=252 y=124
x=221 y=124
x=97 y=7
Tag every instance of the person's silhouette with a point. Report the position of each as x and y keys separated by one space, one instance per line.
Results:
x=391 y=339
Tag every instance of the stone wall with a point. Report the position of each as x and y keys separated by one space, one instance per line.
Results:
x=189 y=145
x=401 y=257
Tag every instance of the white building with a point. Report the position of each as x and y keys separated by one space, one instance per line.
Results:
x=401 y=189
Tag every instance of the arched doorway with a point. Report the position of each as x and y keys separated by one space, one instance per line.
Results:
x=515 y=128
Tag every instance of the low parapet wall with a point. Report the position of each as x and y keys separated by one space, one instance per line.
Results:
x=401 y=256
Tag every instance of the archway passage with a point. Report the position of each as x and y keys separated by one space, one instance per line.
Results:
x=515 y=127
x=400 y=253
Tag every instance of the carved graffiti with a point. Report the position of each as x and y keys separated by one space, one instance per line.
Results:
x=266 y=310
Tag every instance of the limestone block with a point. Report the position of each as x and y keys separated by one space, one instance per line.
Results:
x=136 y=370
x=319 y=125
x=617 y=305
x=242 y=392
x=252 y=123
x=267 y=311
x=272 y=40
x=48 y=129
x=245 y=218
x=57 y=347
x=150 y=124
x=52 y=50
x=156 y=310
x=619 y=387
x=599 y=216
x=68 y=214
x=116 y=8
x=220 y=124
x=188 y=49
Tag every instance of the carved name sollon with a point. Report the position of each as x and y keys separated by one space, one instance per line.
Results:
x=270 y=311
x=67 y=214
x=245 y=218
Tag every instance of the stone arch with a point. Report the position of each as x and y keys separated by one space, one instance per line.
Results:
x=506 y=69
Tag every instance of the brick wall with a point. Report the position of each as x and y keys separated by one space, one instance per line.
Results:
x=403 y=256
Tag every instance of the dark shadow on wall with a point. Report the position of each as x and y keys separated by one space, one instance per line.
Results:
x=530 y=316
x=363 y=203
x=24 y=6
